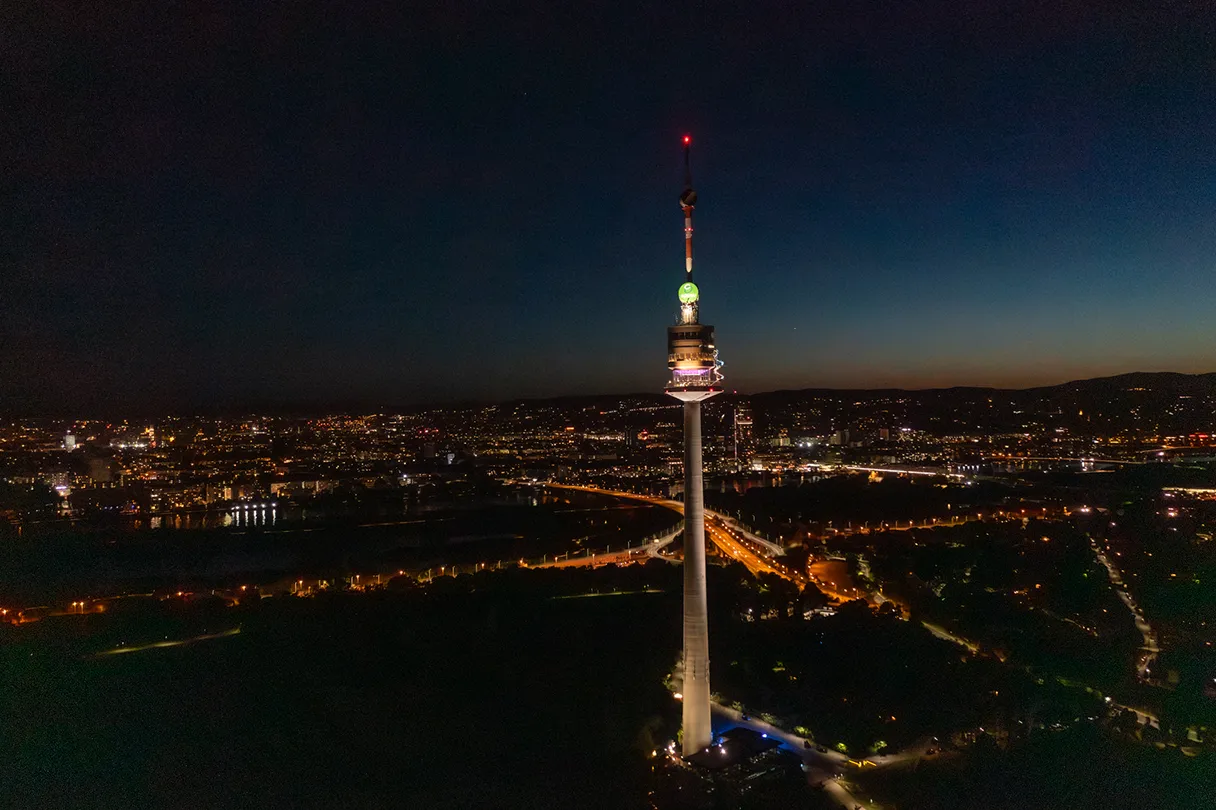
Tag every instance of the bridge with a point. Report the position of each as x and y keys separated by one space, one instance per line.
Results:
x=755 y=553
x=902 y=526
x=638 y=552
x=931 y=471
x=738 y=528
x=1088 y=460
x=733 y=542
x=675 y=506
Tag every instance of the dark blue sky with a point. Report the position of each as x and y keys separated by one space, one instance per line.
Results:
x=388 y=203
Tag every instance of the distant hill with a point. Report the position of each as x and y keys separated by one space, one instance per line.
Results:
x=1162 y=401
x=1152 y=402
x=1163 y=381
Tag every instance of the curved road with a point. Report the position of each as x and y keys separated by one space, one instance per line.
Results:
x=730 y=542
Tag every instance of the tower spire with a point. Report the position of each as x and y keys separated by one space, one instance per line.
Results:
x=688 y=199
x=687 y=163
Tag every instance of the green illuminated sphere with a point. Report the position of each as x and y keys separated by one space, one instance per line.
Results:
x=688 y=293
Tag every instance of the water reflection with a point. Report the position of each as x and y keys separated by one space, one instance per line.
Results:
x=252 y=514
x=262 y=514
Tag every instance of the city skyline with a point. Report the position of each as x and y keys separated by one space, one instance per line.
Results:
x=317 y=408
x=338 y=466
x=420 y=209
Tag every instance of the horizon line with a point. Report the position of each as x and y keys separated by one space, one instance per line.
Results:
x=334 y=408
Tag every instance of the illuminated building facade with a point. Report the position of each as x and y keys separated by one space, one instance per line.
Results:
x=742 y=434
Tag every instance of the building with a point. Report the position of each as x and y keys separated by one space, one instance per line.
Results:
x=742 y=434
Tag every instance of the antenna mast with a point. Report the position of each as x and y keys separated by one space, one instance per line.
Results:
x=688 y=199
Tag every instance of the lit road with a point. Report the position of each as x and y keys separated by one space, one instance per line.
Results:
x=945 y=635
x=624 y=556
x=670 y=504
x=826 y=763
x=156 y=645
x=1150 y=647
x=731 y=543
x=932 y=523
x=937 y=630
x=822 y=766
x=832 y=577
x=734 y=545
x=887 y=470
x=1065 y=458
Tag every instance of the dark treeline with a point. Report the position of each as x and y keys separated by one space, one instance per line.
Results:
x=1031 y=590
x=1082 y=768
x=853 y=499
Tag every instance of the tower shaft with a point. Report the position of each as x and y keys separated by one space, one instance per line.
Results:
x=698 y=733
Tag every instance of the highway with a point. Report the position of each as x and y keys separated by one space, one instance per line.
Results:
x=729 y=542
x=734 y=545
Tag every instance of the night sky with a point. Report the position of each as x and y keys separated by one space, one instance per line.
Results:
x=215 y=205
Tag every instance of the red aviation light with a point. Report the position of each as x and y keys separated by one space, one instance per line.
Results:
x=687 y=140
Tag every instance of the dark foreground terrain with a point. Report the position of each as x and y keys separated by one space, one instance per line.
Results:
x=389 y=699
x=526 y=688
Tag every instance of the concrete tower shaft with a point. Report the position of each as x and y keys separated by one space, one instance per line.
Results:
x=696 y=725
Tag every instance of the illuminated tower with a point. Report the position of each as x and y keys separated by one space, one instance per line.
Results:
x=743 y=433
x=694 y=365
